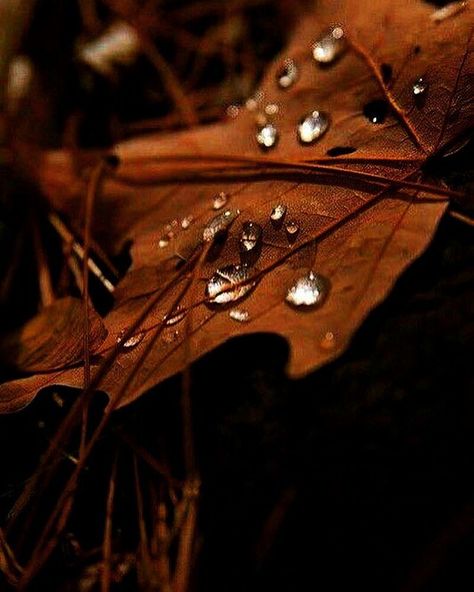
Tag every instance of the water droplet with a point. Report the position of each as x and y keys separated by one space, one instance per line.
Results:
x=329 y=46
x=376 y=111
x=287 y=75
x=312 y=127
x=220 y=200
x=175 y=317
x=232 y=111
x=251 y=104
x=419 y=88
x=237 y=314
x=229 y=284
x=328 y=341
x=132 y=341
x=308 y=290
x=186 y=222
x=272 y=109
x=267 y=136
x=447 y=11
x=250 y=237
x=278 y=212
x=163 y=242
x=292 y=229
x=219 y=224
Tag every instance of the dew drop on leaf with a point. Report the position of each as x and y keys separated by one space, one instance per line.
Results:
x=186 y=222
x=175 y=317
x=229 y=284
x=330 y=45
x=271 y=109
x=219 y=224
x=250 y=237
x=220 y=200
x=292 y=229
x=445 y=12
x=132 y=341
x=278 y=213
x=267 y=136
x=287 y=75
x=376 y=111
x=163 y=242
x=312 y=127
x=308 y=290
x=328 y=342
x=419 y=87
x=239 y=315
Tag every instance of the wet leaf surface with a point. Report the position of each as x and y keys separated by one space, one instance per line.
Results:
x=356 y=218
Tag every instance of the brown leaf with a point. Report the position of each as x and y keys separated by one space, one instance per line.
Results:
x=353 y=197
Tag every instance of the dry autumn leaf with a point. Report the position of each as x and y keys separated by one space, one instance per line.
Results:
x=319 y=182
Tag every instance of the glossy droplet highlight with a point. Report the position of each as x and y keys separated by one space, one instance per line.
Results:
x=278 y=213
x=163 y=242
x=186 y=222
x=292 y=230
x=376 y=111
x=220 y=200
x=239 y=315
x=312 y=127
x=330 y=45
x=287 y=75
x=419 y=87
x=328 y=342
x=175 y=317
x=219 y=224
x=233 y=111
x=250 y=237
x=308 y=290
x=267 y=136
x=132 y=341
x=451 y=9
x=229 y=284
x=271 y=109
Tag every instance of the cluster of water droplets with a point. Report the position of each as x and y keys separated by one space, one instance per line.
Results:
x=328 y=48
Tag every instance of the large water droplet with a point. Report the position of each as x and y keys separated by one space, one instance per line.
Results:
x=308 y=290
x=267 y=136
x=329 y=46
x=219 y=224
x=278 y=213
x=419 y=88
x=229 y=284
x=251 y=236
x=376 y=111
x=132 y=341
x=287 y=75
x=239 y=315
x=312 y=127
x=220 y=200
